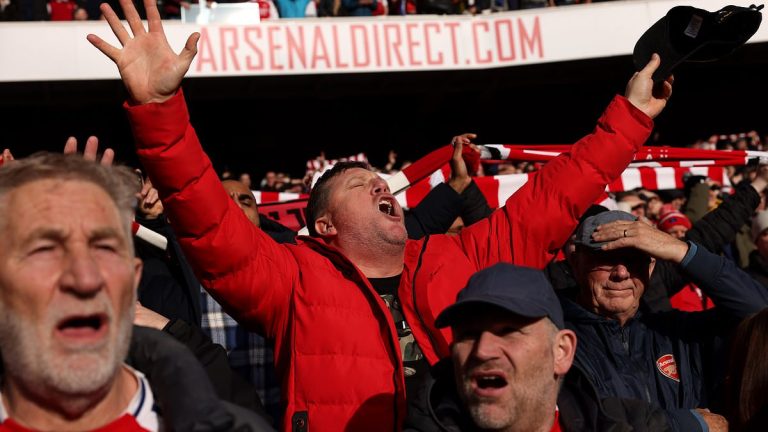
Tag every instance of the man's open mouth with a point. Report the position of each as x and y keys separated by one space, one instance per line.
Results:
x=490 y=381
x=82 y=325
x=387 y=206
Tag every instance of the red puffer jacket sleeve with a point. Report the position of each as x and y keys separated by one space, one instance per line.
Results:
x=244 y=269
x=540 y=216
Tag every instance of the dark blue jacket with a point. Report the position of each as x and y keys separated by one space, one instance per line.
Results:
x=672 y=358
x=437 y=407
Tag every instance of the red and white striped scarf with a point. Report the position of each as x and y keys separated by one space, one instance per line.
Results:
x=653 y=168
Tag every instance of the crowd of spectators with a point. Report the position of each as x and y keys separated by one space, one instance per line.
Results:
x=77 y=10
x=273 y=181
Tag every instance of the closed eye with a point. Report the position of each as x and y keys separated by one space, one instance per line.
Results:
x=107 y=239
x=43 y=249
x=107 y=247
x=110 y=246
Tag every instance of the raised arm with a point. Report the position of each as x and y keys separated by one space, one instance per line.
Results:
x=447 y=201
x=474 y=207
x=247 y=272
x=538 y=219
x=720 y=226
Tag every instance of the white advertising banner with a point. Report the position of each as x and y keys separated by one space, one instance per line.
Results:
x=59 y=51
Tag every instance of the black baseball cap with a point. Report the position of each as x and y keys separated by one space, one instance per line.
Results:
x=587 y=227
x=687 y=33
x=519 y=290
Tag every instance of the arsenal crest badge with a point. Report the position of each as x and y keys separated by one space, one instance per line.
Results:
x=668 y=367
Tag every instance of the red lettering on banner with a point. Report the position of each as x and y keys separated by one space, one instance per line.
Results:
x=273 y=47
x=532 y=41
x=295 y=46
x=229 y=49
x=454 y=43
x=289 y=214
x=337 y=51
x=412 y=44
x=354 y=29
x=475 y=37
x=394 y=46
x=319 y=44
x=256 y=32
x=427 y=45
x=376 y=44
x=205 y=51
x=508 y=37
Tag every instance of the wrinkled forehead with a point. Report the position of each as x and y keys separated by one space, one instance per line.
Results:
x=357 y=173
x=61 y=202
x=348 y=175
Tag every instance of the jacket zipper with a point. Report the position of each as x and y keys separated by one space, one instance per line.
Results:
x=624 y=340
x=432 y=341
x=395 y=348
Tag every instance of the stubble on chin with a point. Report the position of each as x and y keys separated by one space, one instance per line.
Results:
x=490 y=414
x=43 y=368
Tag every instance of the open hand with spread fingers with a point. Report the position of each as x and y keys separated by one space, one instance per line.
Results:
x=150 y=70
x=91 y=150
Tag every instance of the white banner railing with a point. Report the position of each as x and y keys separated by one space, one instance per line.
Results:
x=59 y=51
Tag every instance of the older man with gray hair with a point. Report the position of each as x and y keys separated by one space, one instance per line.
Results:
x=68 y=280
x=662 y=358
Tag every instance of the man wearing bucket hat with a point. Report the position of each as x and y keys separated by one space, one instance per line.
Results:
x=509 y=360
x=663 y=358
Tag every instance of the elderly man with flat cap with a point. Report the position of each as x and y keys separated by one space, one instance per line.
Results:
x=667 y=359
x=510 y=365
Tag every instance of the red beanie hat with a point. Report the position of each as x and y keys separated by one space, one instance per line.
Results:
x=673 y=218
